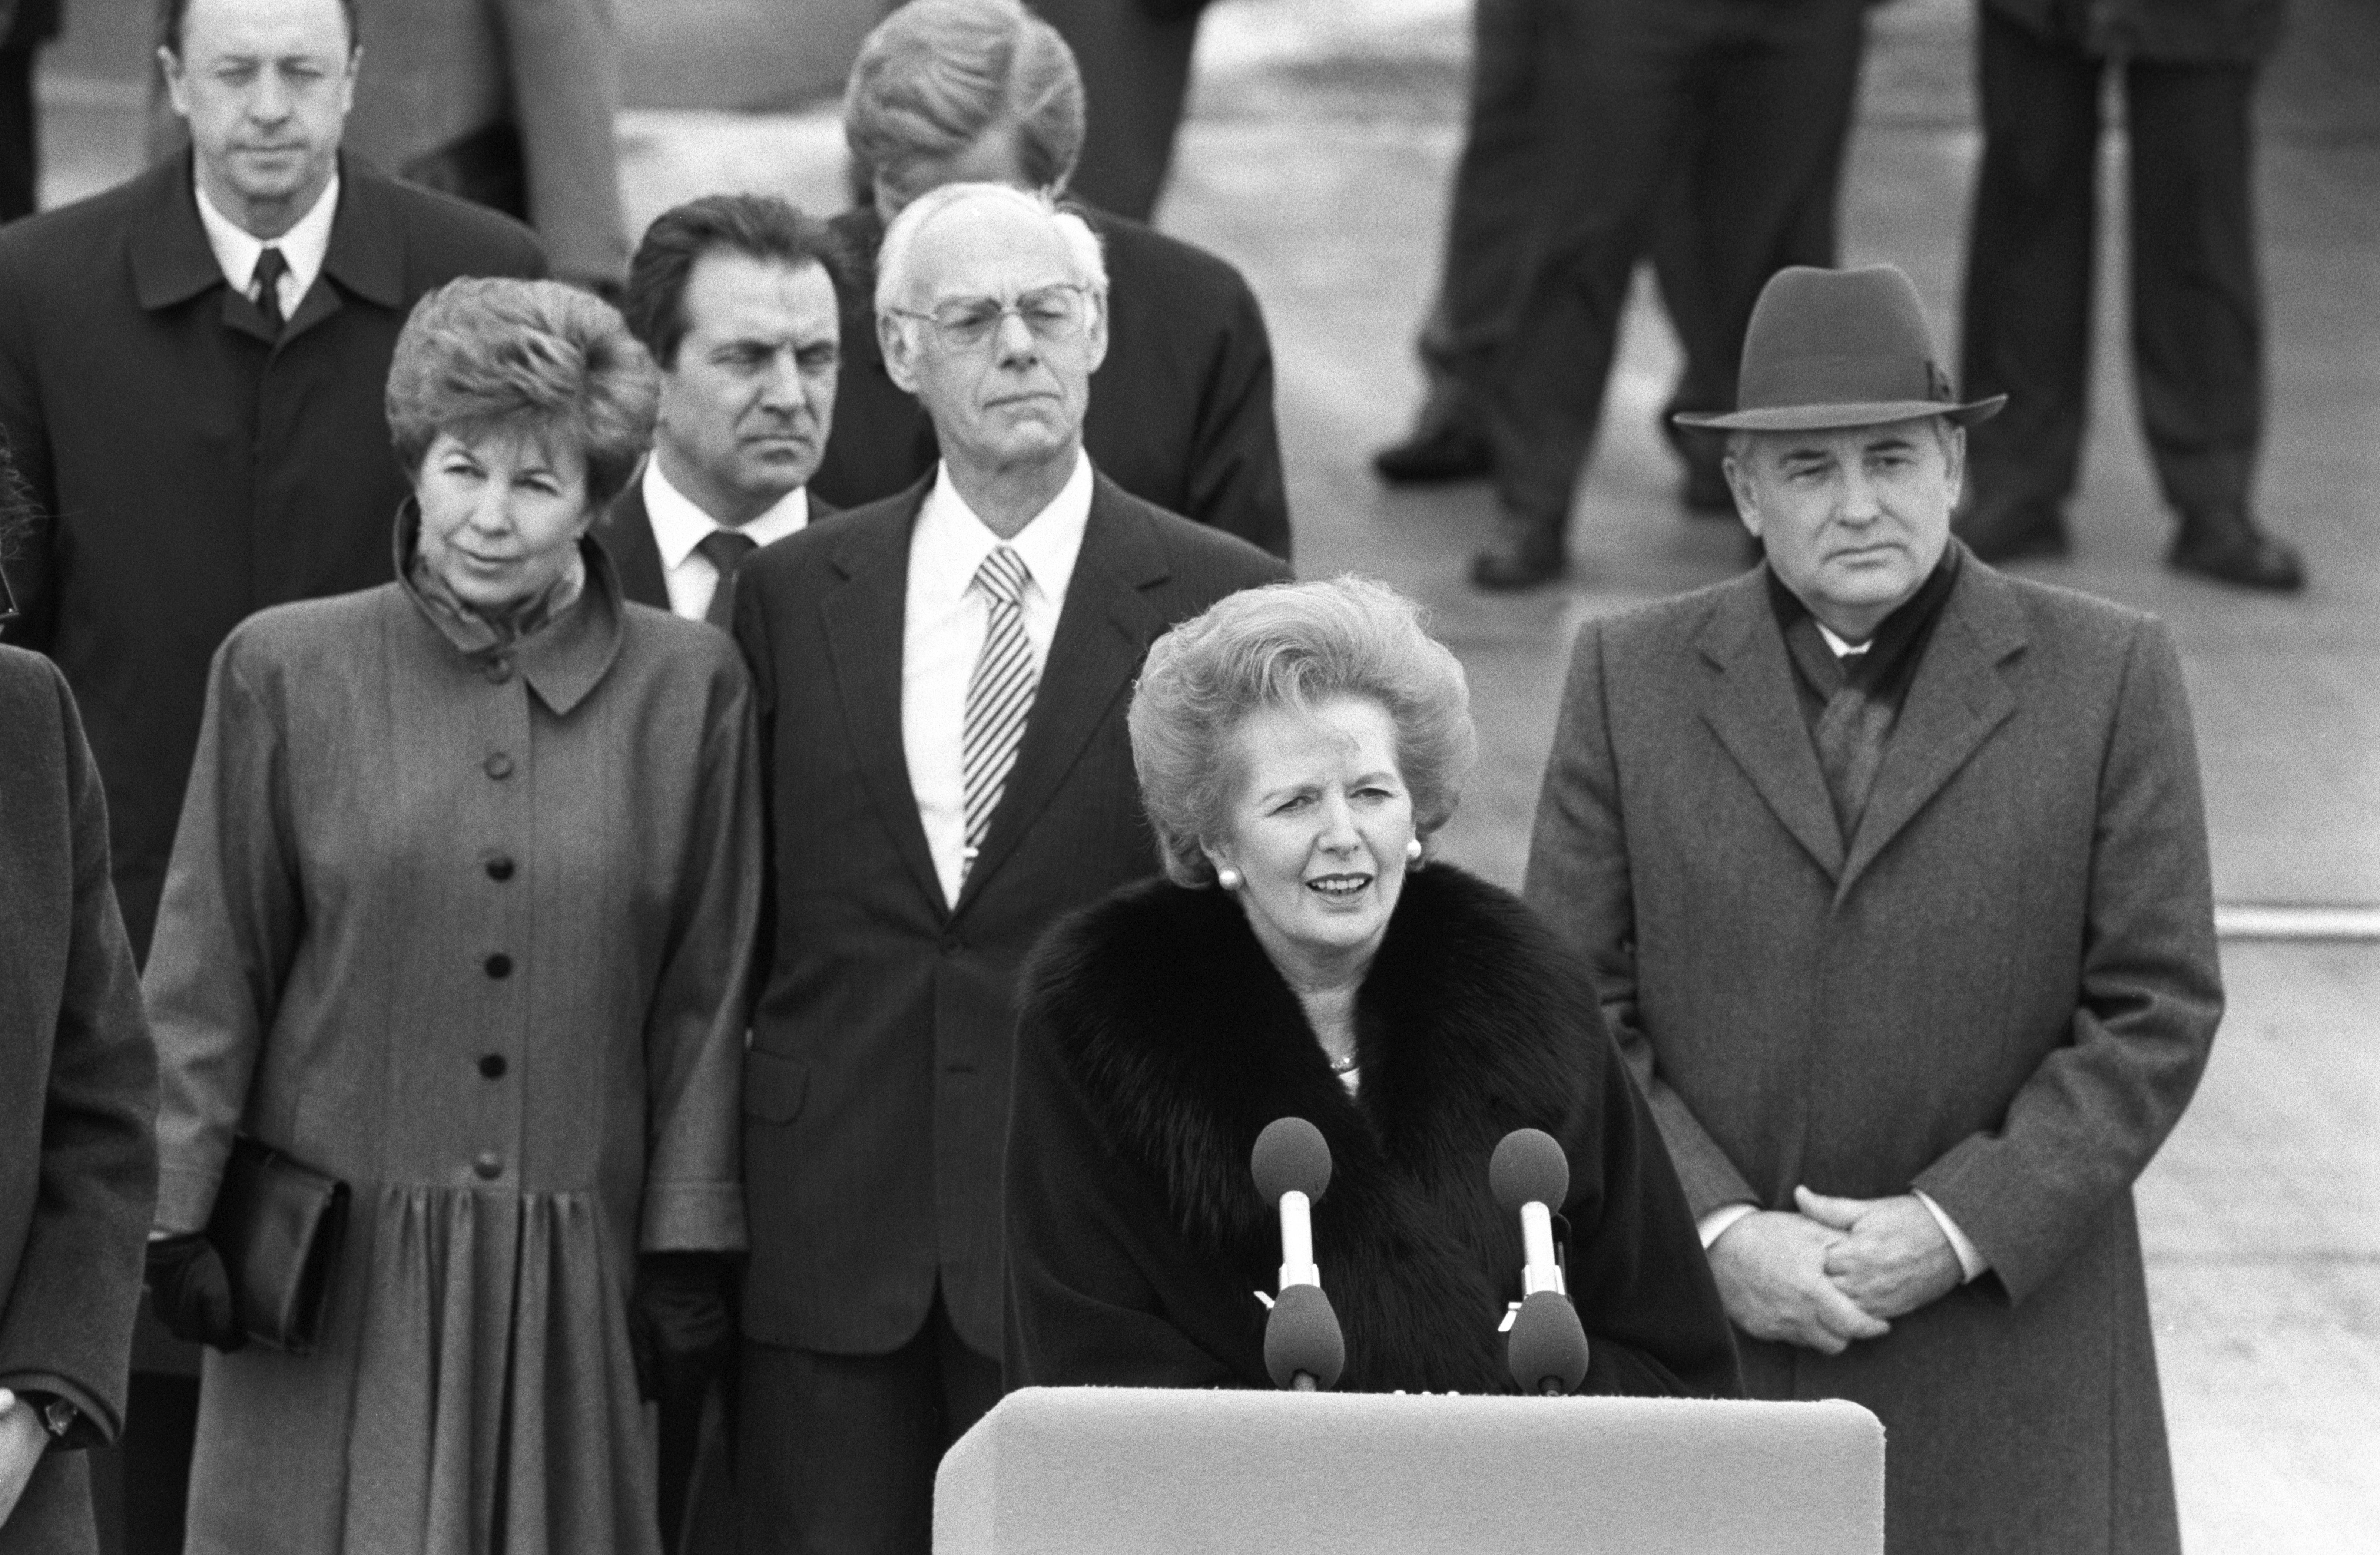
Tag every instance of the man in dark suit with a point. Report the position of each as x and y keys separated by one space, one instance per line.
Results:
x=735 y=296
x=191 y=367
x=941 y=678
x=945 y=90
x=2189 y=68
x=1892 y=873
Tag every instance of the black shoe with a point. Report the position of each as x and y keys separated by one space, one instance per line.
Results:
x=1433 y=455
x=1526 y=552
x=2011 y=531
x=2229 y=548
x=1707 y=493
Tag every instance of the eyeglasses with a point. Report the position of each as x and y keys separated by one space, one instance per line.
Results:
x=1054 y=315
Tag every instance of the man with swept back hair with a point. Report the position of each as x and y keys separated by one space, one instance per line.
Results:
x=941 y=680
x=948 y=90
x=190 y=375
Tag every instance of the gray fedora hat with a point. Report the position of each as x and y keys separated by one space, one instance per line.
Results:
x=1833 y=348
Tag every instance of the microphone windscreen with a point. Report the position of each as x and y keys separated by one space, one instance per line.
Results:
x=1529 y=1168
x=1547 y=1344
x=1291 y=1156
x=1303 y=1335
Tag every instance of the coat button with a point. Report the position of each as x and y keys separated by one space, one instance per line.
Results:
x=498 y=670
x=489 y=1165
x=499 y=965
x=498 y=765
x=499 y=868
x=494 y=1067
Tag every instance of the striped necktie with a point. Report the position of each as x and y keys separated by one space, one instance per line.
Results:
x=1000 y=695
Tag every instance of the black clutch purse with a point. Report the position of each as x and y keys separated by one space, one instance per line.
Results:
x=277 y=1226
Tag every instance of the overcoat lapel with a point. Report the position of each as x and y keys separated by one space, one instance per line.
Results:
x=1752 y=707
x=1104 y=629
x=863 y=622
x=1955 y=702
x=628 y=536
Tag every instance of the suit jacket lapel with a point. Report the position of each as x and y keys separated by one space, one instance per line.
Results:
x=1752 y=707
x=628 y=536
x=864 y=622
x=1958 y=698
x=1104 y=630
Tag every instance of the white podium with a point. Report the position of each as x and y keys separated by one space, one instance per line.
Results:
x=1118 y=1471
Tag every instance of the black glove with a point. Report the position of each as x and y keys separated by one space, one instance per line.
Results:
x=681 y=1329
x=192 y=1292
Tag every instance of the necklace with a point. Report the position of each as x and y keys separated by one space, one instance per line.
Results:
x=1344 y=1065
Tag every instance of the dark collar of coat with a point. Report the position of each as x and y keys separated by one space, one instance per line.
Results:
x=1185 y=1042
x=172 y=262
x=1957 y=698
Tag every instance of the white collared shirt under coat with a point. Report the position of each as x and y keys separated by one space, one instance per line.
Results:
x=304 y=246
x=942 y=632
x=680 y=524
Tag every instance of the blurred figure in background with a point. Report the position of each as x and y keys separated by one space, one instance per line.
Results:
x=508 y=1012
x=1136 y=56
x=941 y=679
x=2189 y=71
x=952 y=89
x=735 y=296
x=25 y=26
x=78 y=1092
x=191 y=377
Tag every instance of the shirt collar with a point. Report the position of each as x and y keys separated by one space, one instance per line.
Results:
x=303 y=246
x=953 y=541
x=679 y=525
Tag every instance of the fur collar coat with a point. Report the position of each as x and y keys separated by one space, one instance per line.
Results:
x=1157 y=1040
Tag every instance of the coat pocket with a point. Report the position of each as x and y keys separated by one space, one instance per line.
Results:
x=773 y=1087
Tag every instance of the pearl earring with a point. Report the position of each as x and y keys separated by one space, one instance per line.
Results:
x=1228 y=877
x=1413 y=850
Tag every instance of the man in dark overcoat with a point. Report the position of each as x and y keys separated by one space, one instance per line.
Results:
x=77 y=1093
x=1892 y=873
x=1183 y=416
x=941 y=679
x=2189 y=68
x=191 y=369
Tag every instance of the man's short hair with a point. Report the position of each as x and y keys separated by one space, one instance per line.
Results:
x=894 y=262
x=177 y=11
x=758 y=227
x=488 y=357
x=935 y=75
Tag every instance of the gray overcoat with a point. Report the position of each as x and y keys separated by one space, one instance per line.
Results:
x=470 y=931
x=2001 y=993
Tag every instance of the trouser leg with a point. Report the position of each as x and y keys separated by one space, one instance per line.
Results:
x=2198 y=326
x=21 y=163
x=1135 y=79
x=1495 y=198
x=836 y=1455
x=2030 y=265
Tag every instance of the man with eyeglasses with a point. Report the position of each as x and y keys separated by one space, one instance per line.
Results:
x=941 y=679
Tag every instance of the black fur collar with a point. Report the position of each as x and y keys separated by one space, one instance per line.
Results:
x=1186 y=1041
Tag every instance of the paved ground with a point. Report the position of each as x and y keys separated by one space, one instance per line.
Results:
x=1316 y=159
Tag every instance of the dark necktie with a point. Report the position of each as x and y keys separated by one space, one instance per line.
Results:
x=1851 y=736
x=725 y=550
x=271 y=265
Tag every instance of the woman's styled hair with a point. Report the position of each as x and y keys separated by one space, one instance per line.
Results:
x=1290 y=645
x=937 y=74
x=529 y=358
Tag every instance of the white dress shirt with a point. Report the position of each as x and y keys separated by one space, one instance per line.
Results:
x=942 y=637
x=1713 y=1225
x=679 y=526
x=304 y=247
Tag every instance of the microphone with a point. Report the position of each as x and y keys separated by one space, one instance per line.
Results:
x=1304 y=1349
x=1547 y=1351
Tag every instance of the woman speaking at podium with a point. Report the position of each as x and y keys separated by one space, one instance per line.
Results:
x=1297 y=746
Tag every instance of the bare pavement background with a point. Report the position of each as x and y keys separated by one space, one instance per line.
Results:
x=1315 y=157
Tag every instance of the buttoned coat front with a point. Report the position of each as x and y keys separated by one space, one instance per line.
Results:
x=469 y=931
x=188 y=468
x=2001 y=993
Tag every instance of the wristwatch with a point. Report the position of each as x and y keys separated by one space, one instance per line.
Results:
x=57 y=1415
